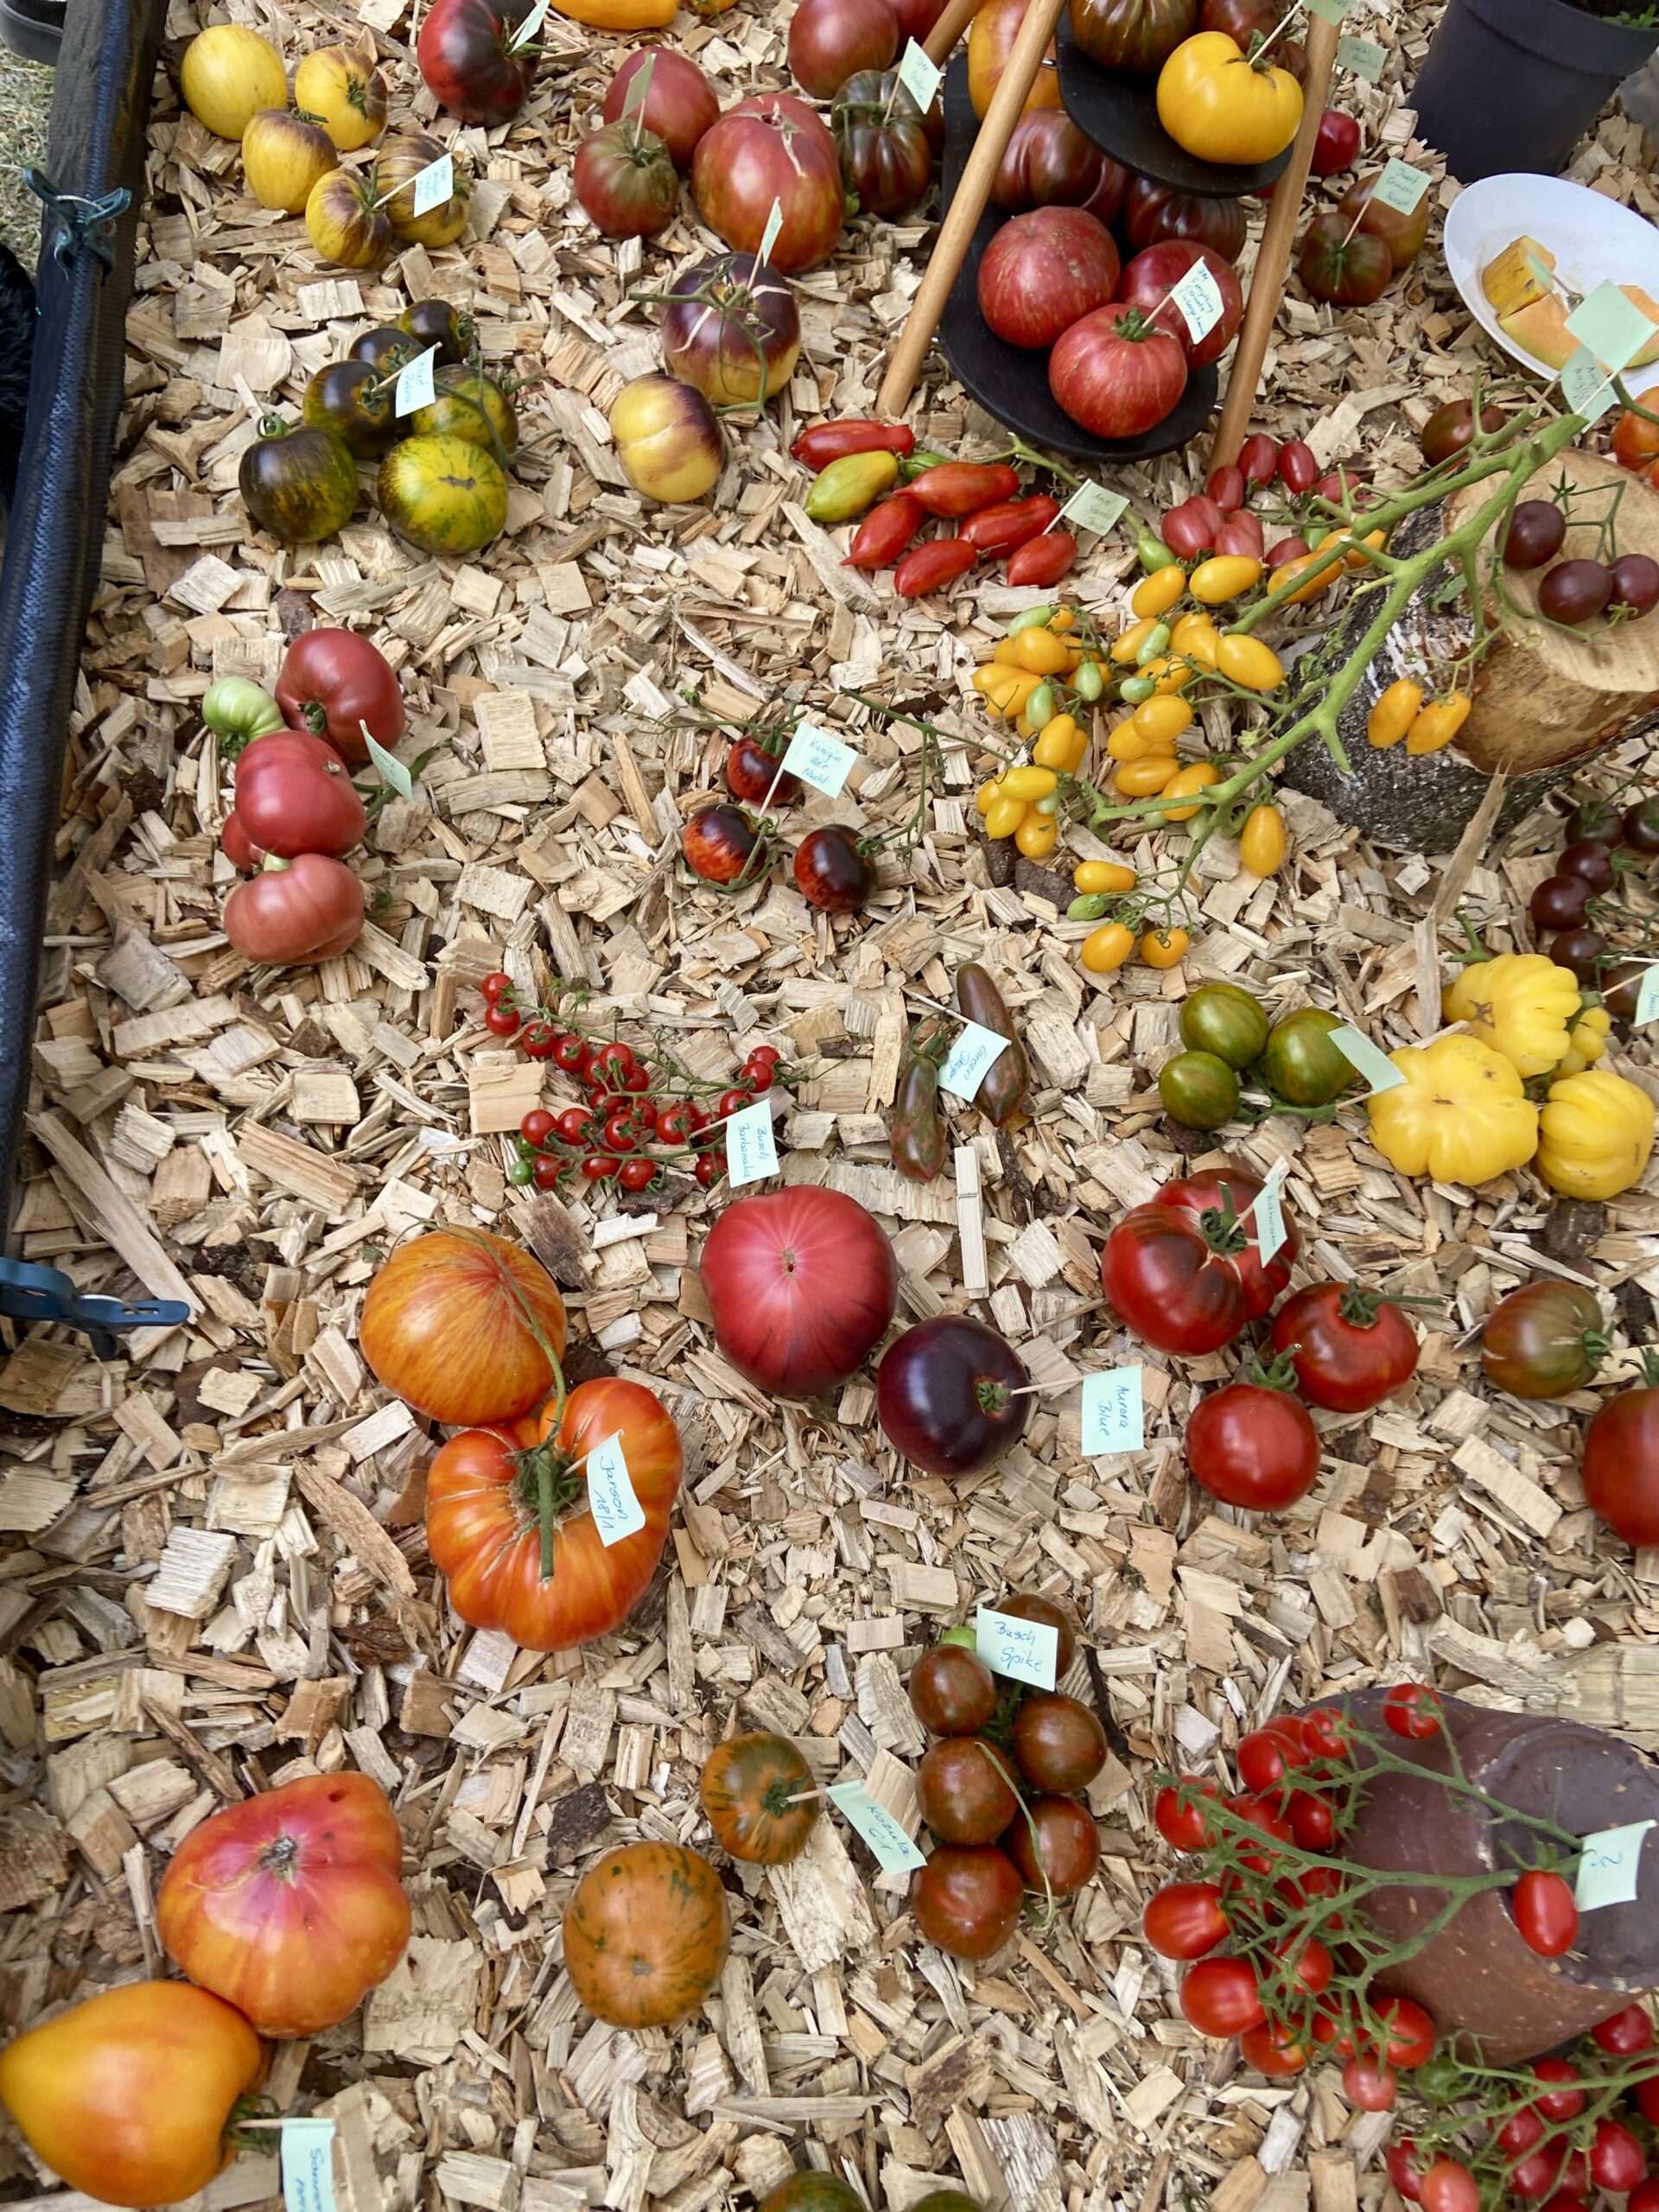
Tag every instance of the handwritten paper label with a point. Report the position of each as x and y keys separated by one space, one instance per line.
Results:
x=1026 y=1651
x=1199 y=297
x=392 y=770
x=1114 y=1416
x=1610 y=1867
x=1373 y=1063
x=1588 y=387
x=309 y=2165
x=970 y=1060
x=1614 y=329
x=617 y=1512
x=1091 y=506
x=1647 y=997
x=920 y=76
x=1363 y=57
x=1400 y=186
x=434 y=184
x=638 y=92
x=528 y=29
x=414 y=387
x=1268 y=1214
x=769 y=236
x=751 y=1148
x=895 y=1851
x=1333 y=10
x=818 y=759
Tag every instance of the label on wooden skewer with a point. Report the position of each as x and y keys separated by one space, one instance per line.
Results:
x=769 y=236
x=1091 y=506
x=638 y=90
x=415 y=387
x=895 y=1851
x=1268 y=1214
x=1614 y=329
x=1372 y=1062
x=1114 y=1414
x=818 y=759
x=617 y=1511
x=1026 y=1651
x=1400 y=186
x=1588 y=387
x=1199 y=297
x=920 y=76
x=970 y=1060
x=392 y=770
x=309 y=2165
x=751 y=1148
x=434 y=184
x=1647 y=997
x=1610 y=1870
x=1363 y=57
x=528 y=29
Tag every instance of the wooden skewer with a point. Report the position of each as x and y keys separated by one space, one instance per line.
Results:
x=942 y=39
x=956 y=231
x=1273 y=256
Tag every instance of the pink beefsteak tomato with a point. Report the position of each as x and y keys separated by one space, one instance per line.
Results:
x=293 y=795
x=1117 y=374
x=1043 y=270
x=801 y=1284
x=334 y=682
x=294 y=912
x=770 y=146
x=680 y=105
x=1147 y=283
x=289 y=1905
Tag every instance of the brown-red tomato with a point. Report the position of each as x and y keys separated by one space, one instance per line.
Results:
x=1350 y=1349
x=1185 y=1271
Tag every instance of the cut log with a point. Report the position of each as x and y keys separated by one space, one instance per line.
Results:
x=1546 y=699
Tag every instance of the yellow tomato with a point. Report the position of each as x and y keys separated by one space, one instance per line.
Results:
x=1356 y=558
x=1060 y=744
x=1197 y=778
x=340 y=85
x=1394 y=714
x=1106 y=948
x=1037 y=835
x=1029 y=783
x=1196 y=637
x=1439 y=723
x=1005 y=816
x=1128 y=742
x=1520 y=1004
x=1595 y=1135
x=1247 y=662
x=1588 y=1041
x=1125 y=647
x=1163 y=948
x=1063 y=618
x=228 y=74
x=1141 y=778
x=1263 y=842
x=1169 y=675
x=1040 y=653
x=1460 y=1116
x=1156 y=593
x=1304 y=566
x=1227 y=576
x=1093 y=878
x=283 y=157
x=1220 y=107
x=1163 y=718
x=987 y=796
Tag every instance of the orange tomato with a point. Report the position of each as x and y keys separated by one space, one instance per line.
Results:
x=289 y=1905
x=129 y=2096
x=1163 y=948
x=990 y=41
x=646 y=1934
x=748 y=1786
x=484 y=1495
x=1263 y=842
x=450 y=1326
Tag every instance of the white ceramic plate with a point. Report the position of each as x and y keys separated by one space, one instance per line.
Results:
x=1594 y=241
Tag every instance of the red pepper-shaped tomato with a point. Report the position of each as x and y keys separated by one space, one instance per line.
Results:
x=509 y=1518
x=826 y=441
x=1185 y=1272
x=296 y=912
x=1010 y=523
x=293 y=795
x=1043 y=560
x=334 y=681
x=1350 y=1348
x=962 y=487
x=463 y=56
x=926 y=568
x=884 y=532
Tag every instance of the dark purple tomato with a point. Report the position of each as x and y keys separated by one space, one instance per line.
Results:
x=967 y=1899
x=1058 y=1742
x=952 y=1691
x=1536 y=533
x=1636 y=584
x=945 y=1395
x=1574 y=591
x=1581 y=951
x=718 y=843
x=964 y=1791
x=751 y=772
x=1640 y=827
x=831 y=872
x=1590 y=858
x=1558 y=902
x=1065 y=1845
x=1620 y=986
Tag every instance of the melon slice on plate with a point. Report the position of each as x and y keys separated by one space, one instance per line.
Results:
x=1542 y=327
x=1509 y=282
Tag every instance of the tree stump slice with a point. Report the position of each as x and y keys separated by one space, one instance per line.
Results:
x=1546 y=699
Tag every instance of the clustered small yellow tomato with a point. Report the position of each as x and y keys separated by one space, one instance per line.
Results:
x=1264 y=842
x=1439 y=723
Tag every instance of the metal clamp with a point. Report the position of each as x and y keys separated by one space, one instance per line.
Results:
x=31 y=1293
x=84 y=224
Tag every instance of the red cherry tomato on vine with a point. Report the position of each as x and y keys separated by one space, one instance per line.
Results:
x=1566 y=2102
x=1313 y=1823
x=1260 y=1814
x=1519 y=2132
x=1617 y=2162
x=1412 y=1710
x=709 y=1171
x=502 y=1021
x=569 y=1051
x=638 y=1174
x=1179 y=1813
x=758 y=1076
x=1274 y=2049
x=538 y=1040
x=620 y=1134
x=730 y=1102
x=1183 y=1920
x=1259 y=458
x=636 y=1080
x=1262 y=1759
x=768 y=1053
x=1326 y=1730
x=1350 y=1349
x=1298 y=471
x=1372 y=2087
x=1405 y=2166
x=598 y=1166
x=574 y=1124
x=1546 y=1913
x=537 y=1126
x=1219 y=1997
x=613 y=1060
x=547 y=1169
x=1304 y=1961
x=1449 y=2186
x=495 y=985
x=1411 y=2033
x=1644 y=2198
x=1625 y=2032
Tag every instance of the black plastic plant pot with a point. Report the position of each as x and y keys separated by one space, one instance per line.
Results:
x=33 y=28
x=1515 y=84
x=1486 y=1990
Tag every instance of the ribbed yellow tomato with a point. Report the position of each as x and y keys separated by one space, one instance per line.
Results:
x=1220 y=107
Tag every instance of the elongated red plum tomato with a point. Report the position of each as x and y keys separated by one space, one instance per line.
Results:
x=967 y=1899
x=1055 y=1838
x=1043 y=270
x=332 y=682
x=293 y=795
x=718 y=843
x=770 y=146
x=830 y=873
x=1184 y=1920
x=1253 y=1447
x=680 y=105
x=289 y=1905
x=1624 y=2032
x=952 y=1691
x=463 y=54
x=646 y=1934
x=1449 y=2186
x=1115 y=374
x=831 y=40
x=964 y=1791
x=1058 y=1742
x=1147 y=284
x=1621 y=1464
x=1349 y=1350
x=1184 y=1271
x=946 y=1395
x=461 y=1327
x=801 y=1284
x=757 y=1791
x=1545 y=1914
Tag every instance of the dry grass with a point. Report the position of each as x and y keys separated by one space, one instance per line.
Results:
x=25 y=104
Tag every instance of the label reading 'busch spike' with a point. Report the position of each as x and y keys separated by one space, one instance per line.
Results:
x=751 y=1148
x=970 y=1060
x=1026 y=1651
x=895 y=1853
x=617 y=1511
x=818 y=759
x=1113 y=1416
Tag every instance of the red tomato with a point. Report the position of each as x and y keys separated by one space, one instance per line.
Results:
x=1546 y=1913
x=129 y=2096
x=1039 y=273
x=1115 y=374
x=1252 y=1446
x=459 y=1325
x=1567 y=2101
x=1410 y=2031
x=1412 y=1710
x=881 y=537
x=1304 y=1963
x=1449 y=2186
x=1184 y=1272
x=1635 y=441
x=1313 y=1823
x=237 y=847
x=1621 y=1464
x=1326 y=1734
x=1257 y=1813
x=293 y=795
x=1644 y=2198
x=1146 y=284
x=1372 y=2087
x=1010 y=524
x=511 y=1522
x=1219 y=1998
x=1405 y=2168
x=1153 y=212
x=334 y=681
x=1336 y=144
x=1298 y=470
x=1043 y=560
x=1617 y=2162
x=1183 y=1920
x=626 y=180
x=1227 y=488
x=1351 y=1350
x=801 y=1284
x=1520 y=2131
x=926 y=568
x=831 y=40
x=463 y=57
x=770 y=146
x=679 y=106
x=1259 y=458
x=1179 y=1816
x=1263 y=1759
x=1624 y=2033
x=296 y=912
x=289 y=1905
x=953 y=488
x=831 y=872
x=1273 y=2049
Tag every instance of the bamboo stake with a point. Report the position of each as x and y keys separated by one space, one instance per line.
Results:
x=1273 y=257
x=956 y=231
x=942 y=39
